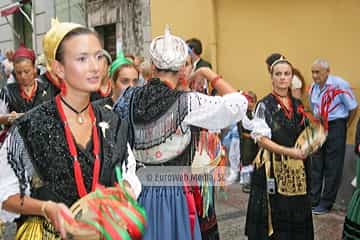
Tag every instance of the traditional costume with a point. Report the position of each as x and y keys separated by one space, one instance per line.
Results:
x=39 y=157
x=164 y=125
x=51 y=86
x=279 y=206
x=13 y=97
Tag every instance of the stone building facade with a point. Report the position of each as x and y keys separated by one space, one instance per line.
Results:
x=121 y=23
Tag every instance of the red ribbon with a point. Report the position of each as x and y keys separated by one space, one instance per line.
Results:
x=192 y=206
x=326 y=100
x=287 y=111
x=305 y=114
x=70 y=142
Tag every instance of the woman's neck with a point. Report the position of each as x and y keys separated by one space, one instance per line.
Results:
x=29 y=86
x=281 y=92
x=168 y=78
x=77 y=100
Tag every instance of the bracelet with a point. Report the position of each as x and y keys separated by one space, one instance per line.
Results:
x=215 y=80
x=43 y=208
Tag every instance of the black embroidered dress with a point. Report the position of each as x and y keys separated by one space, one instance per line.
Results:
x=291 y=216
x=36 y=161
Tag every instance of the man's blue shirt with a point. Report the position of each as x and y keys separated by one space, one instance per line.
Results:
x=345 y=102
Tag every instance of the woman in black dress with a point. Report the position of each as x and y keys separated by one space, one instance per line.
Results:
x=24 y=94
x=60 y=151
x=279 y=205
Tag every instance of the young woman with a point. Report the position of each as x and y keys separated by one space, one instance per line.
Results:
x=59 y=152
x=279 y=205
x=162 y=121
x=124 y=74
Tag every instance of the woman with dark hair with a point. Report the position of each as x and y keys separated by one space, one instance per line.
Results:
x=26 y=93
x=279 y=205
x=352 y=219
x=165 y=124
x=60 y=151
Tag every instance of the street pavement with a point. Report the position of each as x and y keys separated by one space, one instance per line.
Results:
x=231 y=214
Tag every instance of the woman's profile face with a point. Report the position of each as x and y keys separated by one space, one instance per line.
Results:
x=82 y=63
x=281 y=76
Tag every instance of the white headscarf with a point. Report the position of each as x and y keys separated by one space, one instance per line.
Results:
x=168 y=51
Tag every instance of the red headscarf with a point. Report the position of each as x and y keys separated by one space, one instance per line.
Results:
x=22 y=51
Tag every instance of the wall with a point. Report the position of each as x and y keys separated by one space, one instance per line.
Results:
x=132 y=19
x=187 y=18
x=6 y=34
x=246 y=32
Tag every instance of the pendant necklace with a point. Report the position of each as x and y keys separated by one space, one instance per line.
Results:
x=79 y=180
x=79 y=114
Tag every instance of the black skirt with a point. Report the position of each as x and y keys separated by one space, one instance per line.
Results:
x=291 y=215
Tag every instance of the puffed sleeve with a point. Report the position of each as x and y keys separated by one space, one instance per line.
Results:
x=215 y=113
x=129 y=172
x=258 y=125
x=16 y=171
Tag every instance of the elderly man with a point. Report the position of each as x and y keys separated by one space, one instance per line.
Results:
x=328 y=162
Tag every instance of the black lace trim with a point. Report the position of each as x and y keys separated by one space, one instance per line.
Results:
x=43 y=136
x=152 y=101
x=154 y=112
x=283 y=130
x=15 y=154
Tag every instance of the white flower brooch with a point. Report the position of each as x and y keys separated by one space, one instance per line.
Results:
x=104 y=126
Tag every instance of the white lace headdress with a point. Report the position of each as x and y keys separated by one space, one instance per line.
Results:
x=168 y=52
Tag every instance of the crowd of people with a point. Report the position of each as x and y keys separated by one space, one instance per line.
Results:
x=69 y=126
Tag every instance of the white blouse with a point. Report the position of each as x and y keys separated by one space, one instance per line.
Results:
x=212 y=113
x=215 y=113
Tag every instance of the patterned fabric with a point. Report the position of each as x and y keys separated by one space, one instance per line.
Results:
x=49 y=154
x=168 y=52
x=49 y=86
x=156 y=112
x=289 y=216
x=11 y=98
x=167 y=206
x=37 y=228
x=344 y=102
